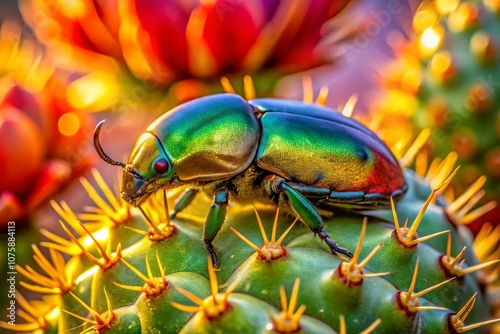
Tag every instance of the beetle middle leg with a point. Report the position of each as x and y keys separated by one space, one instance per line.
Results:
x=307 y=213
x=215 y=219
x=185 y=199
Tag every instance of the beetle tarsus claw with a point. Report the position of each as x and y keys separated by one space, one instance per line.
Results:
x=344 y=251
x=211 y=250
x=334 y=247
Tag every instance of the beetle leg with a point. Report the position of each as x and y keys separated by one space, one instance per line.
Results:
x=183 y=201
x=308 y=214
x=215 y=219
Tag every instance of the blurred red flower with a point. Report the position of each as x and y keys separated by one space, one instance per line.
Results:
x=164 y=41
x=41 y=134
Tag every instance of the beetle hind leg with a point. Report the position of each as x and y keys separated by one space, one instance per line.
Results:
x=213 y=255
x=334 y=247
x=307 y=213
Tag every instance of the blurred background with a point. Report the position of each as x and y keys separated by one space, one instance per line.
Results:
x=402 y=66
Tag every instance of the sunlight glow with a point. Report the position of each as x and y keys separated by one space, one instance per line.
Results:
x=94 y=91
x=100 y=235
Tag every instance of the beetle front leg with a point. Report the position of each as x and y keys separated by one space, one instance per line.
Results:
x=185 y=199
x=308 y=214
x=215 y=219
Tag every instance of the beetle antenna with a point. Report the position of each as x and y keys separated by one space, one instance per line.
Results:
x=99 y=149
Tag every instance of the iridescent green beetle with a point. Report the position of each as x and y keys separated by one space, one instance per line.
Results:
x=298 y=155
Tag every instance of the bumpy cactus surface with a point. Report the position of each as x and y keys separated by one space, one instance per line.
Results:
x=131 y=274
x=447 y=79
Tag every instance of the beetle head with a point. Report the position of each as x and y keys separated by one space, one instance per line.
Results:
x=148 y=168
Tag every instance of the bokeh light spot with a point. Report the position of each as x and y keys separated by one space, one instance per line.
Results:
x=446 y=6
x=463 y=17
x=424 y=19
x=68 y=124
x=429 y=40
x=483 y=47
x=442 y=65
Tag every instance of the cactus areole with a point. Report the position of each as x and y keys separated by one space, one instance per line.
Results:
x=302 y=156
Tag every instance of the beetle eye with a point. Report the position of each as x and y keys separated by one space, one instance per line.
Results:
x=161 y=166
